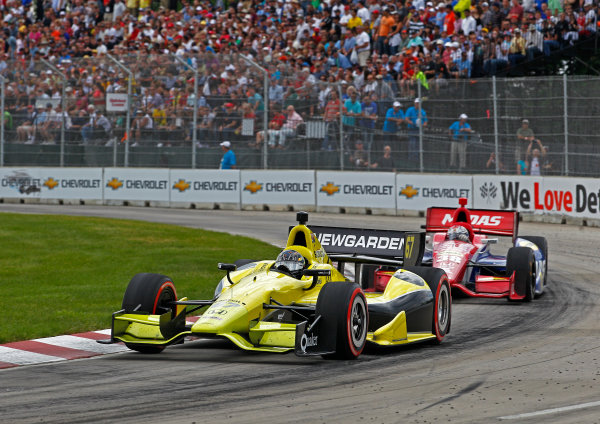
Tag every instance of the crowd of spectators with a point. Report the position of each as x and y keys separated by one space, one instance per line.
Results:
x=378 y=50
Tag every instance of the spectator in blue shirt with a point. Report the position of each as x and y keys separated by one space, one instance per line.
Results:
x=352 y=109
x=459 y=131
x=464 y=66
x=415 y=118
x=228 y=160
x=367 y=122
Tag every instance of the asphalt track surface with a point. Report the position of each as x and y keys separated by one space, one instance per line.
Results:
x=502 y=362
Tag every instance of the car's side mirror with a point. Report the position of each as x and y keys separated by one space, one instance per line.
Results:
x=315 y=274
x=490 y=241
x=227 y=267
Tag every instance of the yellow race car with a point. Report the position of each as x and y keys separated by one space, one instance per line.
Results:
x=304 y=300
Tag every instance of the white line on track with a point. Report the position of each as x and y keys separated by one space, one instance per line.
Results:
x=551 y=411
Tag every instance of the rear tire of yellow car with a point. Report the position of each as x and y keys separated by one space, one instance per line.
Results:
x=521 y=260
x=149 y=293
x=437 y=280
x=343 y=309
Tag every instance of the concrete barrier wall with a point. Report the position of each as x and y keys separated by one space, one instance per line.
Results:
x=552 y=199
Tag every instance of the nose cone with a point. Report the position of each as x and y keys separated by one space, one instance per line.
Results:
x=223 y=317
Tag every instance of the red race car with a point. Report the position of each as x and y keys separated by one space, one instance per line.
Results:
x=461 y=247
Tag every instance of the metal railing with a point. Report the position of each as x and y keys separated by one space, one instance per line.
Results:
x=173 y=111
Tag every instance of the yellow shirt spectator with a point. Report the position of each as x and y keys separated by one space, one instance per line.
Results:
x=354 y=22
x=160 y=117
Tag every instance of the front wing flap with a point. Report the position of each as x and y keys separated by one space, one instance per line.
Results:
x=312 y=338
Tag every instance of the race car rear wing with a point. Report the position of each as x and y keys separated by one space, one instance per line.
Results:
x=366 y=245
x=483 y=221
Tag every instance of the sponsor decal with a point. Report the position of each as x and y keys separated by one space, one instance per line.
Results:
x=308 y=341
x=115 y=184
x=253 y=187
x=341 y=242
x=488 y=191
x=23 y=182
x=579 y=200
x=51 y=183
x=515 y=196
x=361 y=189
x=278 y=187
x=409 y=191
x=215 y=185
x=330 y=188
x=181 y=185
x=444 y=193
x=477 y=220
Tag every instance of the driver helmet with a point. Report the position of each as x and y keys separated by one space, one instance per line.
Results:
x=458 y=232
x=290 y=261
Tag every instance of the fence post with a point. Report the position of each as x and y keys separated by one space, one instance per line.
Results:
x=566 y=123
x=195 y=118
x=1 y=121
x=128 y=123
x=339 y=87
x=495 y=107
x=266 y=104
x=420 y=120
x=62 y=107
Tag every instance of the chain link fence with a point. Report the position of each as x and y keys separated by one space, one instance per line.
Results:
x=175 y=110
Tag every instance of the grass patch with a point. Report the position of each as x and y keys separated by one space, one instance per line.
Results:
x=62 y=274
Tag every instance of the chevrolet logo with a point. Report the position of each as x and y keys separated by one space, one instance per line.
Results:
x=253 y=187
x=50 y=183
x=330 y=188
x=114 y=184
x=409 y=191
x=181 y=185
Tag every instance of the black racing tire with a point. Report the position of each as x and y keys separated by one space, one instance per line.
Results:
x=521 y=261
x=437 y=280
x=345 y=316
x=149 y=293
x=542 y=244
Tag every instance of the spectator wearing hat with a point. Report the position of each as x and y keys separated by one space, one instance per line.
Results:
x=459 y=132
x=394 y=117
x=516 y=52
x=525 y=136
x=534 y=42
x=228 y=160
x=227 y=120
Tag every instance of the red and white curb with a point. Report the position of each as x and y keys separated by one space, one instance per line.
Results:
x=60 y=348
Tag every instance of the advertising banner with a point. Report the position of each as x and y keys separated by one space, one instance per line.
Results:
x=116 y=102
x=20 y=183
x=136 y=184
x=356 y=189
x=419 y=192
x=205 y=185
x=278 y=187
x=577 y=197
x=507 y=192
x=71 y=183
